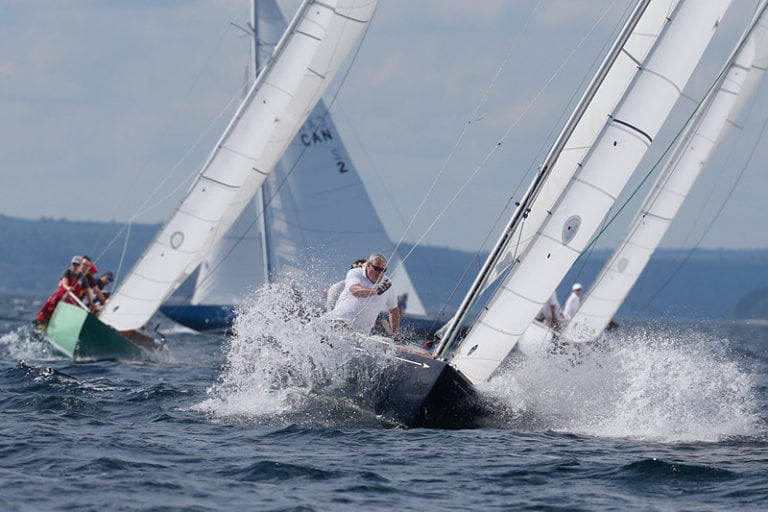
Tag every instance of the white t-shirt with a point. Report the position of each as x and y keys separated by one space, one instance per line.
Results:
x=571 y=306
x=361 y=312
x=333 y=295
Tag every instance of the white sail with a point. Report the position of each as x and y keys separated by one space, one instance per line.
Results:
x=717 y=112
x=624 y=137
x=620 y=74
x=318 y=214
x=318 y=40
x=237 y=263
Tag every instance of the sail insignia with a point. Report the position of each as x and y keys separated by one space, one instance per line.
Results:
x=570 y=228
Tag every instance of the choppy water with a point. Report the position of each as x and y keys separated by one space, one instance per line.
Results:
x=667 y=417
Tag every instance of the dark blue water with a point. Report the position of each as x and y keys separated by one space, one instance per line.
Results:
x=667 y=417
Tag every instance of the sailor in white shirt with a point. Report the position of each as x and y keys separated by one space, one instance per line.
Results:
x=366 y=292
x=573 y=302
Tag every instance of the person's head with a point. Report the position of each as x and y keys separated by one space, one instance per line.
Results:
x=358 y=263
x=576 y=288
x=76 y=261
x=375 y=267
x=88 y=265
x=107 y=277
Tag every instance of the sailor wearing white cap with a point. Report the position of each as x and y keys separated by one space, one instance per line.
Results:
x=573 y=302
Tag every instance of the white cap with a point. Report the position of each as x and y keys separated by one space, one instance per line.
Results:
x=576 y=286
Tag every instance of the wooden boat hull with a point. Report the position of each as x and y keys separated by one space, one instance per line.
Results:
x=82 y=336
x=419 y=391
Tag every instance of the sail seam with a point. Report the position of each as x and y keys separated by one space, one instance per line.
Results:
x=224 y=147
x=496 y=329
x=644 y=247
x=592 y=186
x=663 y=78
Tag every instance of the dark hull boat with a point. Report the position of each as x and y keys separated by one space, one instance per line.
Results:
x=202 y=318
x=416 y=390
x=425 y=392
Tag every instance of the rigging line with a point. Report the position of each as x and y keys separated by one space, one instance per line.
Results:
x=711 y=223
x=536 y=158
x=144 y=208
x=460 y=139
x=143 y=168
x=488 y=156
x=695 y=115
x=124 y=228
x=692 y=123
x=122 y=254
x=514 y=125
x=565 y=111
x=173 y=121
x=289 y=173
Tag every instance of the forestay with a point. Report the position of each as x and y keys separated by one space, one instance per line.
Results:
x=317 y=41
x=718 y=111
x=599 y=177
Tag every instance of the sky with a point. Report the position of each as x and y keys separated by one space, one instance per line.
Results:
x=108 y=108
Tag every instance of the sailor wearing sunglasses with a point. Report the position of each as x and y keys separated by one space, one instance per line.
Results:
x=366 y=292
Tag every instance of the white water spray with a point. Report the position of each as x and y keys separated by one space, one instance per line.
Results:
x=654 y=385
x=286 y=360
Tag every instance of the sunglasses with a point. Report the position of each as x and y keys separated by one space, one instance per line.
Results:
x=378 y=269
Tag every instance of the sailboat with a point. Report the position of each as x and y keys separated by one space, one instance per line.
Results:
x=709 y=124
x=716 y=115
x=312 y=212
x=316 y=43
x=589 y=164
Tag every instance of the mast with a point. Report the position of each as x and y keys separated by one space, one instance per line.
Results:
x=311 y=51
x=523 y=208
x=261 y=196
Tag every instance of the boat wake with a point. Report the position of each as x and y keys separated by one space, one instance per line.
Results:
x=286 y=364
x=645 y=384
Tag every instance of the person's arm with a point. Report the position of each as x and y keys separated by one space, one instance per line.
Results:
x=99 y=294
x=394 y=320
x=358 y=290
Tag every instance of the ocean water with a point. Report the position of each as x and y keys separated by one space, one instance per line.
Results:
x=664 y=417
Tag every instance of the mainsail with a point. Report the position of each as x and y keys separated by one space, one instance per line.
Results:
x=315 y=45
x=717 y=112
x=647 y=86
x=312 y=213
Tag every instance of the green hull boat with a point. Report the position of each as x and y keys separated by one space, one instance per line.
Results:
x=80 y=335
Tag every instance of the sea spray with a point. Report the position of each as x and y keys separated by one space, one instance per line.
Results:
x=647 y=383
x=24 y=343
x=285 y=361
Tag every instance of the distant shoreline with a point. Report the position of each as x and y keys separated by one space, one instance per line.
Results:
x=678 y=283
